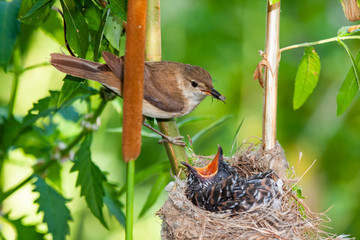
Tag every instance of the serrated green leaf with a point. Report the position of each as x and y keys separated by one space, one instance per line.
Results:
x=113 y=204
x=90 y=179
x=34 y=11
x=113 y=30
x=274 y=1
x=144 y=174
x=24 y=231
x=48 y=105
x=42 y=108
x=190 y=120
x=155 y=191
x=210 y=127
x=77 y=33
x=27 y=232
x=100 y=34
x=70 y=85
x=9 y=29
x=119 y=8
x=307 y=77
x=348 y=89
x=53 y=205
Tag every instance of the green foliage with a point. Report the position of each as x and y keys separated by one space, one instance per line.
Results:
x=90 y=179
x=307 y=77
x=210 y=127
x=113 y=29
x=9 y=29
x=34 y=11
x=348 y=89
x=70 y=85
x=24 y=231
x=119 y=8
x=77 y=32
x=111 y=200
x=155 y=191
x=53 y=205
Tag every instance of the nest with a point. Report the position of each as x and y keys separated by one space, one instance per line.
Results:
x=292 y=220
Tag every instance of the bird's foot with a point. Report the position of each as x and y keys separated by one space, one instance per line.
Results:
x=174 y=140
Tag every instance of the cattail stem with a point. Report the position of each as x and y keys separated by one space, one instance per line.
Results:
x=271 y=75
x=175 y=153
x=130 y=182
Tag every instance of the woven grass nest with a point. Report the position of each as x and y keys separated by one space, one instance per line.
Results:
x=293 y=220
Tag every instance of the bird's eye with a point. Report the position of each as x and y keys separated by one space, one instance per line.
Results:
x=194 y=84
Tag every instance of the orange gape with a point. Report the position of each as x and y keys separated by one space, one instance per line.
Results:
x=210 y=169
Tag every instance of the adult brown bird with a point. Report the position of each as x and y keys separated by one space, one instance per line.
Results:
x=171 y=89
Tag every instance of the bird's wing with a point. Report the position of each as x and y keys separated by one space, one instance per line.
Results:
x=161 y=88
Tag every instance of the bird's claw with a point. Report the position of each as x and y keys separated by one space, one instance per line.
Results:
x=174 y=140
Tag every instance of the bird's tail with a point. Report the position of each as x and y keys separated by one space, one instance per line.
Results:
x=82 y=68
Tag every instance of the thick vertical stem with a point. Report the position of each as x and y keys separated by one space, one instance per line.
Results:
x=175 y=153
x=133 y=79
x=130 y=182
x=271 y=75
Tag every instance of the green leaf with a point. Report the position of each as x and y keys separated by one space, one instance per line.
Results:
x=113 y=204
x=90 y=179
x=113 y=30
x=348 y=89
x=53 y=27
x=77 y=33
x=100 y=34
x=53 y=205
x=70 y=85
x=358 y=3
x=27 y=232
x=353 y=62
x=148 y=172
x=34 y=11
x=9 y=29
x=236 y=136
x=119 y=8
x=190 y=120
x=274 y=1
x=210 y=127
x=48 y=105
x=42 y=108
x=9 y=130
x=155 y=191
x=307 y=77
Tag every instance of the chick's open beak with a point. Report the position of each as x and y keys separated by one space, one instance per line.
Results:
x=208 y=171
x=214 y=94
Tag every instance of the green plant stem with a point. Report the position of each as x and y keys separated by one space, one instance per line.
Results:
x=35 y=66
x=333 y=39
x=175 y=153
x=130 y=182
x=41 y=168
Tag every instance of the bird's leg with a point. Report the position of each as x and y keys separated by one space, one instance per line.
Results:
x=173 y=140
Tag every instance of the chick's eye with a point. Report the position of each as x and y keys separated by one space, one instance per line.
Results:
x=194 y=84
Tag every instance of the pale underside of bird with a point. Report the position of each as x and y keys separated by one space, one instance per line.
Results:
x=219 y=188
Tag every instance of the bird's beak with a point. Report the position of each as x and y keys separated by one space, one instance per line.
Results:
x=214 y=94
x=208 y=171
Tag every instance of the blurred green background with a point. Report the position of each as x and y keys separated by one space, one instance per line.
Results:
x=224 y=38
